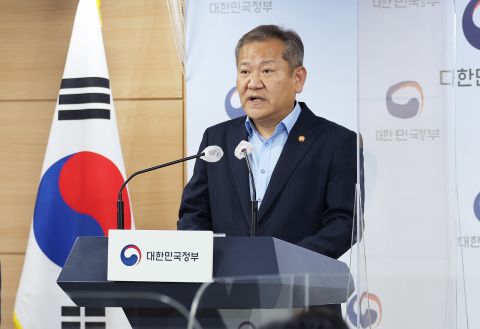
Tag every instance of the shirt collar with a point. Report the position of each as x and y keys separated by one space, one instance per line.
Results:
x=288 y=122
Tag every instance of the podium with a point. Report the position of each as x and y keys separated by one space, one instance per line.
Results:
x=249 y=273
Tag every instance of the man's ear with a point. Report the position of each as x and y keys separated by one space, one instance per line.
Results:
x=299 y=77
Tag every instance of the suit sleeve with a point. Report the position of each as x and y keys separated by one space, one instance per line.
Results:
x=335 y=236
x=194 y=211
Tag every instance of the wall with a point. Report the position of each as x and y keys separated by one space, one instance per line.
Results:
x=147 y=86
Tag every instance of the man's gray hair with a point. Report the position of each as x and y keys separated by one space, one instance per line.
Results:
x=293 y=46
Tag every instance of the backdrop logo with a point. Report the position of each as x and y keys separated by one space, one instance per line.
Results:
x=130 y=255
x=470 y=30
x=408 y=109
x=371 y=317
x=232 y=104
x=76 y=197
x=476 y=206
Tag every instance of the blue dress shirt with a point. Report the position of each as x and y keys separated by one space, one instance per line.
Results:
x=265 y=153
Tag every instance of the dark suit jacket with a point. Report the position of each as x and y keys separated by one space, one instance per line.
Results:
x=309 y=199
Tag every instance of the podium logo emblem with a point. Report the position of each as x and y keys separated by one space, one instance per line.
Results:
x=470 y=29
x=130 y=255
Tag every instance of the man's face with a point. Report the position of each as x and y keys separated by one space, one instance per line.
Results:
x=265 y=82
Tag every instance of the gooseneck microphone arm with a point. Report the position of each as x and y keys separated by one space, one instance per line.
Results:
x=120 y=210
x=254 y=208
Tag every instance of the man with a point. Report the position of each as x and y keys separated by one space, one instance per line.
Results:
x=304 y=166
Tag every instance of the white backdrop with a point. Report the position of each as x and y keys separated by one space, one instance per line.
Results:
x=409 y=154
x=405 y=119
x=466 y=80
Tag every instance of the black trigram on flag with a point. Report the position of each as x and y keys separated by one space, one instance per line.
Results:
x=83 y=318
x=84 y=98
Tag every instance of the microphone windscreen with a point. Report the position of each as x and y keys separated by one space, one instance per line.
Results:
x=213 y=153
x=242 y=148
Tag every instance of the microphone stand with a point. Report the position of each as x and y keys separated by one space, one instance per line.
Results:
x=120 y=210
x=254 y=202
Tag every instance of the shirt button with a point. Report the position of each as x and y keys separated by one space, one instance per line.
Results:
x=266 y=144
x=262 y=171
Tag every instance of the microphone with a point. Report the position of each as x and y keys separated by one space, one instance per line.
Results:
x=242 y=150
x=211 y=153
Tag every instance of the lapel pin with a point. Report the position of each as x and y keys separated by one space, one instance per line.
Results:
x=301 y=138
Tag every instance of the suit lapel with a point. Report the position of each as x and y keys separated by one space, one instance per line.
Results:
x=292 y=153
x=239 y=168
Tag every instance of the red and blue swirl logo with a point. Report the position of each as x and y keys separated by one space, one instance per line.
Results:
x=470 y=30
x=368 y=312
x=130 y=255
x=76 y=197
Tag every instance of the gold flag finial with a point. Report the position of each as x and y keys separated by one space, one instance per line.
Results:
x=99 y=4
